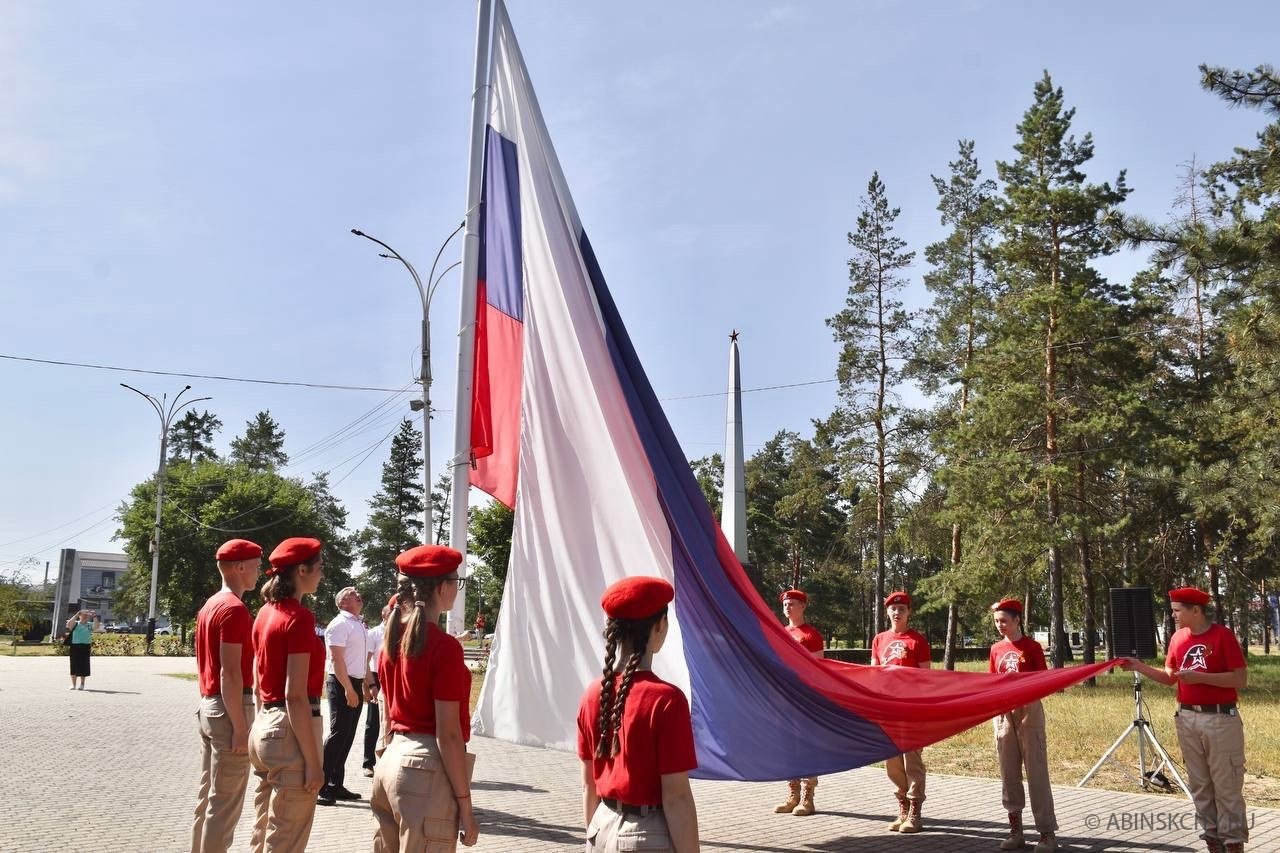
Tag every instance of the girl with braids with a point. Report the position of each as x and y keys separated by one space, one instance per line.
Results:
x=284 y=742
x=422 y=783
x=635 y=737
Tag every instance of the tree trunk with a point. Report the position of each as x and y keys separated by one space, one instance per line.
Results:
x=881 y=515
x=1211 y=561
x=1057 y=631
x=1086 y=570
x=953 y=627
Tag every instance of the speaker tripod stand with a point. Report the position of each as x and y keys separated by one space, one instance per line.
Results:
x=1140 y=728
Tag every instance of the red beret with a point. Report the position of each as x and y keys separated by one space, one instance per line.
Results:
x=796 y=594
x=636 y=598
x=1189 y=595
x=1012 y=605
x=428 y=561
x=234 y=550
x=293 y=552
x=897 y=598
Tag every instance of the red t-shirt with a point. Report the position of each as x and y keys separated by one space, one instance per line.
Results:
x=807 y=636
x=223 y=619
x=656 y=739
x=910 y=648
x=1022 y=655
x=411 y=686
x=1216 y=650
x=286 y=628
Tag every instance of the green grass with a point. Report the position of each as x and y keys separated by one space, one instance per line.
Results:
x=185 y=676
x=1084 y=721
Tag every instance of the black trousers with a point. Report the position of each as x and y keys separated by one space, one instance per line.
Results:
x=372 y=728
x=343 y=720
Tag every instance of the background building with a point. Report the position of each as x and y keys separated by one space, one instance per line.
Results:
x=87 y=579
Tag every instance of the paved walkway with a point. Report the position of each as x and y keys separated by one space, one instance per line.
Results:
x=114 y=769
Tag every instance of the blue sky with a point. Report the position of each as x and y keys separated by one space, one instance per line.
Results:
x=177 y=184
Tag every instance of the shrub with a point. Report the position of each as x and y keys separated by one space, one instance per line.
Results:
x=133 y=645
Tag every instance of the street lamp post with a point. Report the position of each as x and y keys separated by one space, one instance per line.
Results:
x=165 y=410
x=425 y=294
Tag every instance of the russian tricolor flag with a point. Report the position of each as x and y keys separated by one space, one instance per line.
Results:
x=567 y=429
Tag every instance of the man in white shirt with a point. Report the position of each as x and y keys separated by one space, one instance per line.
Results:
x=372 y=715
x=347 y=640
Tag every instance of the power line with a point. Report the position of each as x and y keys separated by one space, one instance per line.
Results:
x=323 y=385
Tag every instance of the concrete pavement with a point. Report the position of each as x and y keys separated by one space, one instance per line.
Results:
x=115 y=769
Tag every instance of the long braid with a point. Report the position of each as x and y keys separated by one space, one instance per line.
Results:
x=633 y=636
x=604 y=746
x=624 y=688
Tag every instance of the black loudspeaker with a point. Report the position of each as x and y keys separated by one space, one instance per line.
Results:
x=1133 y=628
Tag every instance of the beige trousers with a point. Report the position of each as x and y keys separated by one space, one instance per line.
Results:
x=1021 y=743
x=412 y=799
x=283 y=809
x=906 y=772
x=223 y=777
x=610 y=832
x=1213 y=749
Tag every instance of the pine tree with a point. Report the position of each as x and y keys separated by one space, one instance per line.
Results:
x=261 y=448
x=395 y=518
x=957 y=324
x=1053 y=226
x=191 y=438
x=874 y=333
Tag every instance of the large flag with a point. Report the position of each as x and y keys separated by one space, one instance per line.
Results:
x=569 y=430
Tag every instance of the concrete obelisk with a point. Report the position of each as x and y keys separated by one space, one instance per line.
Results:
x=733 y=513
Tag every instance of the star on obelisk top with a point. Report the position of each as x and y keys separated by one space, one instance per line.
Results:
x=733 y=508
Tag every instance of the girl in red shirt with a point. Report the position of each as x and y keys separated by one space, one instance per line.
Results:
x=635 y=736
x=1020 y=734
x=902 y=645
x=422 y=782
x=794 y=604
x=284 y=742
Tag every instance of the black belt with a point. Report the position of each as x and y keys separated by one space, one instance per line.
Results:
x=628 y=809
x=1224 y=708
x=248 y=691
x=313 y=701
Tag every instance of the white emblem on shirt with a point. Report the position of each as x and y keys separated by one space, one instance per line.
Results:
x=1195 y=657
x=896 y=650
x=1009 y=662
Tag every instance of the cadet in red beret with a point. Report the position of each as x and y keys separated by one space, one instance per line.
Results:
x=1021 y=741
x=902 y=645
x=794 y=604
x=284 y=741
x=224 y=667
x=1208 y=666
x=635 y=735
x=426 y=688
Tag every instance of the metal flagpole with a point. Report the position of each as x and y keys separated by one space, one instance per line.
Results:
x=467 y=307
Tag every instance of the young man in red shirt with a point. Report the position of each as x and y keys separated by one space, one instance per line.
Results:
x=224 y=661
x=1208 y=666
x=903 y=646
x=794 y=603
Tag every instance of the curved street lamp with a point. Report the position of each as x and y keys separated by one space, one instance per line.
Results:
x=165 y=410
x=425 y=294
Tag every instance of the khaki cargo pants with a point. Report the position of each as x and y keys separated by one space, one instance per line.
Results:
x=412 y=799
x=906 y=772
x=1213 y=749
x=283 y=809
x=223 y=777
x=611 y=832
x=1021 y=742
